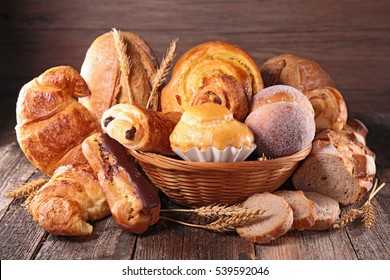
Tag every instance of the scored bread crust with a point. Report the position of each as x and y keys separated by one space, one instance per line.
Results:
x=298 y=203
x=288 y=69
x=277 y=212
x=340 y=165
x=101 y=71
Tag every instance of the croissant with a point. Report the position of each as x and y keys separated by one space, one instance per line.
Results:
x=51 y=124
x=139 y=128
x=301 y=73
x=330 y=108
x=133 y=200
x=118 y=68
x=70 y=199
x=217 y=72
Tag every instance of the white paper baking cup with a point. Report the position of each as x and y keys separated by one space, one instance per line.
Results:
x=212 y=154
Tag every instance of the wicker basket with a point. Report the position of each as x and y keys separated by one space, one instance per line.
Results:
x=196 y=184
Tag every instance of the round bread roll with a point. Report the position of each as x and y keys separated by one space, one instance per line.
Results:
x=280 y=93
x=288 y=69
x=281 y=128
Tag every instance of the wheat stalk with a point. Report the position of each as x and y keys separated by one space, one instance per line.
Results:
x=214 y=210
x=124 y=61
x=28 y=200
x=347 y=218
x=226 y=223
x=368 y=215
x=367 y=211
x=27 y=188
x=161 y=75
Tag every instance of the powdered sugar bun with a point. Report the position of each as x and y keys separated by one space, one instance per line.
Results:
x=280 y=93
x=281 y=128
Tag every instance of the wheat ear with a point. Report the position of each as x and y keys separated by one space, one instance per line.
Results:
x=27 y=188
x=161 y=75
x=124 y=61
x=367 y=211
x=226 y=223
x=213 y=210
x=347 y=218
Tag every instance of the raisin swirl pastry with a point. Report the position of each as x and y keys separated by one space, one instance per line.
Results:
x=217 y=72
x=140 y=129
x=330 y=108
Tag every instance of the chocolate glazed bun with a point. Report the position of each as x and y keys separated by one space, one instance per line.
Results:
x=282 y=121
x=102 y=72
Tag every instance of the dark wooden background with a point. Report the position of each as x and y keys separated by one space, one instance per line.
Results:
x=350 y=39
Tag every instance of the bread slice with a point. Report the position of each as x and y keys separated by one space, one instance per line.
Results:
x=304 y=210
x=340 y=165
x=278 y=218
x=327 y=210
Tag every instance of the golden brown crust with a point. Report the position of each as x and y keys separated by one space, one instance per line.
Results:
x=210 y=125
x=70 y=199
x=50 y=122
x=330 y=108
x=216 y=72
x=101 y=71
x=140 y=129
x=133 y=201
x=301 y=73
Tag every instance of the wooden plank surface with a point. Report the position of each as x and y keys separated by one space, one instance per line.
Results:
x=350 y=39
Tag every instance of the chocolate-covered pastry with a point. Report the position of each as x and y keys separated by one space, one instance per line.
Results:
x=132 y=198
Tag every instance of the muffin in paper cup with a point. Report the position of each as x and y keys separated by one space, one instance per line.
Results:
x=212 y=154
x=209 y=133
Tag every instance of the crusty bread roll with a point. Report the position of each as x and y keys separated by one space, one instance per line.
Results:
x=51 y=124
x=70 y=199
x=278 y=218
x=133 y=199
x=340 y=165
x=139 y=128
x=217 y=72
x=210 y=125
x=304 y=209
x=109 y=85
x=299 y=72
x=327 y=210
x=313 y=81
x=282 y=125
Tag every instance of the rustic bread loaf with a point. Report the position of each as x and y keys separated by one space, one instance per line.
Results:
x=340 y=165
x=327 y=210
x=304 y=210
x=108 y=82
x=278 y=218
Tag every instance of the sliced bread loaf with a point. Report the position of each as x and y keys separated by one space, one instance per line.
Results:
x=327 y=210
x=304 y=210
x=278 y=218
x=340 y=165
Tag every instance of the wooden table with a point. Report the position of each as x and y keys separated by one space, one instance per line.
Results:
x=350 y=39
